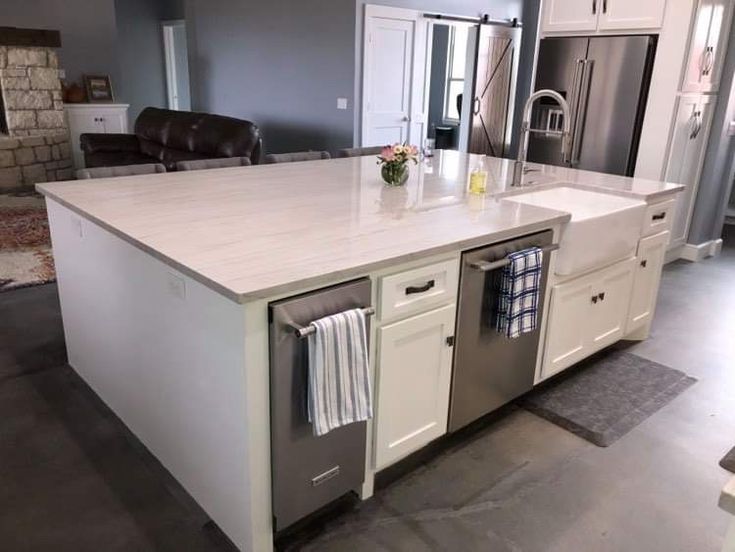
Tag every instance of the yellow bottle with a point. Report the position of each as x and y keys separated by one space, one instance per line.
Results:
x=478 y=179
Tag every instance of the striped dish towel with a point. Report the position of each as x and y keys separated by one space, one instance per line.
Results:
x=339 y=375
x=518 y=298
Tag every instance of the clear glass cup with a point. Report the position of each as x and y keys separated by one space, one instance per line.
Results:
x=429 y=145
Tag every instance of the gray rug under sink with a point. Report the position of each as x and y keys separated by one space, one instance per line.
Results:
x=608 y=396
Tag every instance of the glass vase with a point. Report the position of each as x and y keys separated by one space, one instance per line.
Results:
x=394 y=174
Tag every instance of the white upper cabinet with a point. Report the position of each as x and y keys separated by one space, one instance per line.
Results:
x=708 y=45
x=688 y=147
x=574 y=16
x=570 y=15
x=631 y=14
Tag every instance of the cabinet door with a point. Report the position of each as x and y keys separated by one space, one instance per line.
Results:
x=81 y=121
x=631 y=14
x=649 y=262
x=570 y=15
x=707 y=46
x=610 y=303
x=414 y=374
x=566 y=337
x=688 y=145
x=114 y=121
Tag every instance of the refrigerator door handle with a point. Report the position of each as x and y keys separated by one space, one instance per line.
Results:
x=573 y=105
x=584 y=94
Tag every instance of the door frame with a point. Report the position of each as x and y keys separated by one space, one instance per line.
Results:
x=169 y=47
x=420 y=58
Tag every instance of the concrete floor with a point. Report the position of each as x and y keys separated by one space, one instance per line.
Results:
x=71 y=477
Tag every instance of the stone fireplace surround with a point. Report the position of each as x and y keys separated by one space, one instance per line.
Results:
x=35 y=145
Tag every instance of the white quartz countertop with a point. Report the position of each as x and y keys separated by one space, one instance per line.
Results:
x=260 y=231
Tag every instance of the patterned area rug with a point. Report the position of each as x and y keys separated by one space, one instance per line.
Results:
x=25 y=244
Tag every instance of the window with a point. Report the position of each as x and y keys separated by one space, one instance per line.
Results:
x=456 y=60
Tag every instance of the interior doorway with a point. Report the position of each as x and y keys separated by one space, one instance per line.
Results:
x=444 y=78
x=177 y=65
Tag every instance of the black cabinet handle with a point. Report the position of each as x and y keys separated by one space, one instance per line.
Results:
x=420 y=289
x=594 y=7
x=604 y=6
x=601 y=296
x=644 y=262
x=595 y=298
x=659 y=216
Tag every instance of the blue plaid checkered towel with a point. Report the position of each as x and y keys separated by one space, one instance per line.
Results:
x=518 y=298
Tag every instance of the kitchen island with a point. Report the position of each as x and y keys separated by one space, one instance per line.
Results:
x=165 y=284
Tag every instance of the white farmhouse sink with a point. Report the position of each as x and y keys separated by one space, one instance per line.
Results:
x=604 y=228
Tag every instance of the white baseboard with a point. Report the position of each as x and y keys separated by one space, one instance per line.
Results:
x=696 y=253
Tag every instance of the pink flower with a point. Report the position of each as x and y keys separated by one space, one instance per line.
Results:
x=387 y=153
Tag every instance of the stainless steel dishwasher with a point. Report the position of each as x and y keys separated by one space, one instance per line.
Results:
x=489 y=368
x=308 y=472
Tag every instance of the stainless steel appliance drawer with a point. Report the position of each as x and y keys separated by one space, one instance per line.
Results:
x=307 y=471
x=489 y=368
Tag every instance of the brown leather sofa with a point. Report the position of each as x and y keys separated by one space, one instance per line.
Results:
x=167 y=137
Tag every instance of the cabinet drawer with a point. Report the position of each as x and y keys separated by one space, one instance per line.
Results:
x=658 y=217
x=414 y=290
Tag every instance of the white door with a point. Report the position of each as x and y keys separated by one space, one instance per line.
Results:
x=394 y=75
x=631 y=14
x=649 y=262
x=610 y=302
x=414 y=374
x=686 y=157
x=570 y=15
x=569 y=314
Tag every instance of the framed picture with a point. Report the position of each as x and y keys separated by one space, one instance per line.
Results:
x=99 y=88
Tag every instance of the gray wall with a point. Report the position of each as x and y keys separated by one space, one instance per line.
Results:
x=281 y=64
x=719 y=164
x=142 y=70
x=284 y=63
x=88 y=33
x=438 y=76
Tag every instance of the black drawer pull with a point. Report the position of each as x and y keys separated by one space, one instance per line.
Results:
x=644 y=262
x=420 y=289
x=601 y=296
x=594 y=298
x=660 y=216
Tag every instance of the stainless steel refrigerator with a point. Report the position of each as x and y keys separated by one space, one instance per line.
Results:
x=605 y=80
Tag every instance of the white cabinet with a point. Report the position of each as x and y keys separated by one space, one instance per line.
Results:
x=94 y=118
x=563 y=16
x=707 y=45
x=569 y=15
x=650 y=261
x=631 y=14
x=587 y=314
x=414 y=375
x=686 y=156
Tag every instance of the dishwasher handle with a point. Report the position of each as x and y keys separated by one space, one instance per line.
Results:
x=486 y=266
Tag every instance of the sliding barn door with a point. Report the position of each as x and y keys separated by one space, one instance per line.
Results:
x=394 y=94
x=495 y=85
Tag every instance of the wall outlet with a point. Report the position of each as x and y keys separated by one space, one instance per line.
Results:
x=341 y=103
x=176 y=286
